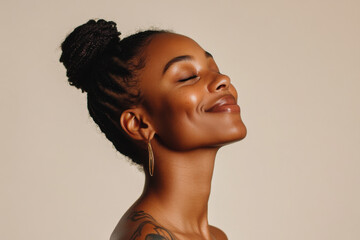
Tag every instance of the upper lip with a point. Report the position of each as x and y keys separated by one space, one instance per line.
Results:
x=224 y=100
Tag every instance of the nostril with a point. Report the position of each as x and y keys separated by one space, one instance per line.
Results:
x=221 y=86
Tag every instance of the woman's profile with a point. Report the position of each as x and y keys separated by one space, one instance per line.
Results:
x=162 y=101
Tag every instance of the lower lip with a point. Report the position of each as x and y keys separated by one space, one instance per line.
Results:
x=226 y=108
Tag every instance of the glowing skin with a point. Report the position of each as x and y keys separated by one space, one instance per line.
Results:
x=177 y=107
x=189 y=111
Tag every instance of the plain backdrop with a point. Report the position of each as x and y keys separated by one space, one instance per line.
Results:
x=296 y=65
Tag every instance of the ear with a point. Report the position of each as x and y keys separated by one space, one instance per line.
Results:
x=135 y=123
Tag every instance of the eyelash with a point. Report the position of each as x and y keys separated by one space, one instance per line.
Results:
x=186 y=79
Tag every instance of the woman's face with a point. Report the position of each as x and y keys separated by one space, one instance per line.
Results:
x=189 y=102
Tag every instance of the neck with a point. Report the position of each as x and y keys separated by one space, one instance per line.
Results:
x=180 y=187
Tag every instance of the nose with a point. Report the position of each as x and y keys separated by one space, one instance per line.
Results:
x=220 y=82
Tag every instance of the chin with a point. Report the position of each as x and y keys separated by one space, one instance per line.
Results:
x=234 y=129
x=237 y=133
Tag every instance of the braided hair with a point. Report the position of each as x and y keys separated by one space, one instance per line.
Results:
x=106 y=68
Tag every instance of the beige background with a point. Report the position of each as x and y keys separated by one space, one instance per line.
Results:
x=296 y=65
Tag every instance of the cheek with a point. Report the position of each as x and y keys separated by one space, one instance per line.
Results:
x=182 y=124
x=181 y=103
x=178 y=119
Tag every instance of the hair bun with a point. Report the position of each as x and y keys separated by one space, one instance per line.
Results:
x=82 y=48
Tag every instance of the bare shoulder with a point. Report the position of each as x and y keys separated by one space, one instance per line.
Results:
x=218 y=233
x=139 y=225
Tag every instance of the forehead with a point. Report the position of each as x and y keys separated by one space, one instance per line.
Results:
x=166 y=46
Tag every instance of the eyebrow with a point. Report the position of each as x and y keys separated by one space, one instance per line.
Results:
x=183 y=58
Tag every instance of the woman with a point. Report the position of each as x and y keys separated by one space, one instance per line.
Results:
x=161 y=100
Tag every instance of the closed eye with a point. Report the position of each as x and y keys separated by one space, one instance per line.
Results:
x=186 y=79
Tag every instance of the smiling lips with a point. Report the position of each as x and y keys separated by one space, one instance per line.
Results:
x=225 y=104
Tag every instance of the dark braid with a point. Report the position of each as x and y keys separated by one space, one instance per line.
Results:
x=106 y=68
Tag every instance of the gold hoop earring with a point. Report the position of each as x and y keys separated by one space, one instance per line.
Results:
x=151 y=159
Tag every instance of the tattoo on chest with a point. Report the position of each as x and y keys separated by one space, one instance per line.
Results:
x=145 y=220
